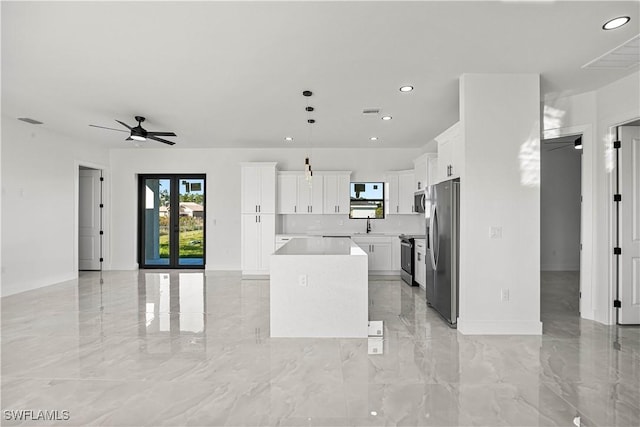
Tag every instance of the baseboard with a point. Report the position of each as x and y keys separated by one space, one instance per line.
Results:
x=13 y=289
x=495 y=327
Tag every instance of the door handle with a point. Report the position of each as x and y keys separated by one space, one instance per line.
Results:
x=431 y=236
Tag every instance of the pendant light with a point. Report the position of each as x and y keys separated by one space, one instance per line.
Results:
x=308 y=173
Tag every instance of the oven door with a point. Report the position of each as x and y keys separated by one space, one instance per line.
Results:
x=406 y=260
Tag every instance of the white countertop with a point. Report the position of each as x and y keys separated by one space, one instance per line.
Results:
x=320 y=246
x=338 y=234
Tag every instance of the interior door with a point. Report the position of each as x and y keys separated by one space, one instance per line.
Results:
x=89 y=219
x=629 y=283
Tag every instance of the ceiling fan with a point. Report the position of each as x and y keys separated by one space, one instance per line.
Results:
x=138 y=133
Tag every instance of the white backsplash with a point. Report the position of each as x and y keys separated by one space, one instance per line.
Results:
x=341 y=224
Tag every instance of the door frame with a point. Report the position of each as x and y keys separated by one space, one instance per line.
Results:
x=587 y=224
x=106 y=264
x=173 y=244
x=614 y=220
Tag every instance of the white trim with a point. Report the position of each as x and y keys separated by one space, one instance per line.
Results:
x=21 y=286
x=495 y=327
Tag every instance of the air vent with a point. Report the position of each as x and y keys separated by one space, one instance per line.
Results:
x=624 y=56
x=371 y=111
x=30 y=121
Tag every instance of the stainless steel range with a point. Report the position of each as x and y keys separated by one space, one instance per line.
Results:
x=407 y=245
x=407 y=253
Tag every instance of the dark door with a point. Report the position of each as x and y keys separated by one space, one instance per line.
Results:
x=172 y=219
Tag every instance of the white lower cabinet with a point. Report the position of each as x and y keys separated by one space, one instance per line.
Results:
x=258 y=243
x=379 y=251
x=419 y=263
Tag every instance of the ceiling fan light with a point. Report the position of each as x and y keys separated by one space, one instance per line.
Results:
x=138 y=138
x=614 y=23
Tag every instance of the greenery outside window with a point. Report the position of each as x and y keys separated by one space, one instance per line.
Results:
x=367 y=200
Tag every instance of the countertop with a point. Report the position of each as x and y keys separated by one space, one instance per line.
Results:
x=320 y=246
x=338 y=234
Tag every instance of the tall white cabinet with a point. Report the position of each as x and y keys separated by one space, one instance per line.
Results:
x=258 y=209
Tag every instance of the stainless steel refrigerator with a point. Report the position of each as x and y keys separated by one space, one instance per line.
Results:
x=443 y=240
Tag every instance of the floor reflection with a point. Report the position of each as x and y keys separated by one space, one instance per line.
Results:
x=173 y=304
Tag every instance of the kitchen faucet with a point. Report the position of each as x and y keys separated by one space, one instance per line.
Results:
x=368 y=225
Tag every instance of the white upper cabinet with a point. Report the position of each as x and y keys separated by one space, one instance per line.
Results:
x=420 y=172
x=425 y=169
x=400 y=187
x=258 y=187
x=287 y=193
x=450 y=153
x=309 y=195
x=296 y=195
x=336 y=193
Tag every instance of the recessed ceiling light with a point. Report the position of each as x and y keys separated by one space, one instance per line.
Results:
x=288 y=138
x=616 y=23
x=406 y=88
x=374 y=138
x=386 y=117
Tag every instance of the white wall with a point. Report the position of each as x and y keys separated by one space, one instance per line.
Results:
x=223 y=188
x=597 y=112
x=560 y=208
x=39 y=186
x=500 y=187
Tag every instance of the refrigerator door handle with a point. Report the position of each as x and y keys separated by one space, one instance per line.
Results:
x=431 y=237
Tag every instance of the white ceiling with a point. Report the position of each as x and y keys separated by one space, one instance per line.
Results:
x=231 y=74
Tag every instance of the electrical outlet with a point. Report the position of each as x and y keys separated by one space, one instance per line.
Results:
x=504 y=295
x=302 y=280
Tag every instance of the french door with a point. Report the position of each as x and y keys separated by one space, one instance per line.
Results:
x=172 y=217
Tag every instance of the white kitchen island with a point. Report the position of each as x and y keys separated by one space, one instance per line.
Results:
x=319 y=288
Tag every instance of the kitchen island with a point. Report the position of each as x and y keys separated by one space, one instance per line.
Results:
x=319 y=288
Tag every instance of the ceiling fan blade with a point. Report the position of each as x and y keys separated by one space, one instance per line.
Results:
x=124 y=124
x=102 y=127
x=155 y=138
x=160 y=134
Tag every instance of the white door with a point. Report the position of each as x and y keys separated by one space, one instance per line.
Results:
x=630 y=226
x=89 y=219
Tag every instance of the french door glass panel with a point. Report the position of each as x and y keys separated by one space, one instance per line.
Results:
x=191 y=229
x=157 y=218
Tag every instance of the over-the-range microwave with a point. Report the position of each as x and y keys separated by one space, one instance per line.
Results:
x=419 y=201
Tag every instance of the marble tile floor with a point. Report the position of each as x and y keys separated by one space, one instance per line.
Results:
x=186 y=348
